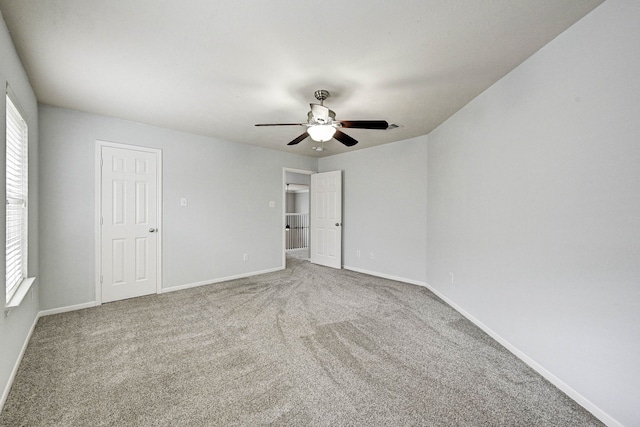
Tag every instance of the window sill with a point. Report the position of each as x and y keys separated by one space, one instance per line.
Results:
x=21 y=292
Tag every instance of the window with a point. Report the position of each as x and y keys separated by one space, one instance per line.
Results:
x=17 y=283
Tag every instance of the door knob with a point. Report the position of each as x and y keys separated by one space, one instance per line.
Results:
x=337 y=224
x=153 y=230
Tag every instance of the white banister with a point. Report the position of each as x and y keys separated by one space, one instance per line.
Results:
x=297 y=230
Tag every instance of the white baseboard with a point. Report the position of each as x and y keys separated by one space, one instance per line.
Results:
x=569 y=391
x=385 y=276
x=564 y=387
x=12 y=376
x=59 y=310
x=221 y=279
x=16 y=365
x=67 y=308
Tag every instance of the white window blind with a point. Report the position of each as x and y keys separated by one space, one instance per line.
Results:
x=17 y=191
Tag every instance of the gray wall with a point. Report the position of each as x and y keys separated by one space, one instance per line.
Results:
x=298 y=202
x=15 y=328
x=297 y=178
x=291 y=203
x=534 y=206
x=384 y=208
x=228 y=186
x=301 y=202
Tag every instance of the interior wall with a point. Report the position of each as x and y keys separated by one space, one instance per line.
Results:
x=297 y=178
x=534 y=206
x=298 y=201
x=301 y=202
x=228 y=187
x=15 y=328
x=384 y=208
x=291 y=202
x=532 y=203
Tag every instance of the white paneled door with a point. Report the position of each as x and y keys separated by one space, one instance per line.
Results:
x=129 y=223
x=326 y=218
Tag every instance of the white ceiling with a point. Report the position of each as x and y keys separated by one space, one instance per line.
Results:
x=297 y=188
x=218 y=67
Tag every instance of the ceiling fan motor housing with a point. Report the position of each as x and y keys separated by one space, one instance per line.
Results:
x=320 y=114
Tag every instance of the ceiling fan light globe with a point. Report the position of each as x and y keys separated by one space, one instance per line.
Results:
x=321 y=133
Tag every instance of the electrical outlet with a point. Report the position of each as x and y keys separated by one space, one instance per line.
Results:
x=451 y=274
x=358 y=253
x=245 y=257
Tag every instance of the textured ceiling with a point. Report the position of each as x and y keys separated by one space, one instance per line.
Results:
x=218 y=67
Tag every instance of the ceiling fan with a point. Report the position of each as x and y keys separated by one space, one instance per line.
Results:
x=322 y=124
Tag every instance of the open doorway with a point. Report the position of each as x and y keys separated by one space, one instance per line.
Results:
x=296 y=233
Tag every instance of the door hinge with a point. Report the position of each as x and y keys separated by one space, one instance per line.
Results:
x=101 y=278
x=101 y=221
x=101 y=162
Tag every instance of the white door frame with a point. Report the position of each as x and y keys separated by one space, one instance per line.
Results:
x=284 y=208
x=98 y=211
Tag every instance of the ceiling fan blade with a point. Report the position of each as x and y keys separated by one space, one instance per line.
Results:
x=364 y=124
x=344 y=138
x=298 y=139
x=281 y=124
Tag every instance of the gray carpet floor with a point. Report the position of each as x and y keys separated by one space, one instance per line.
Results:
x=305 y=346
